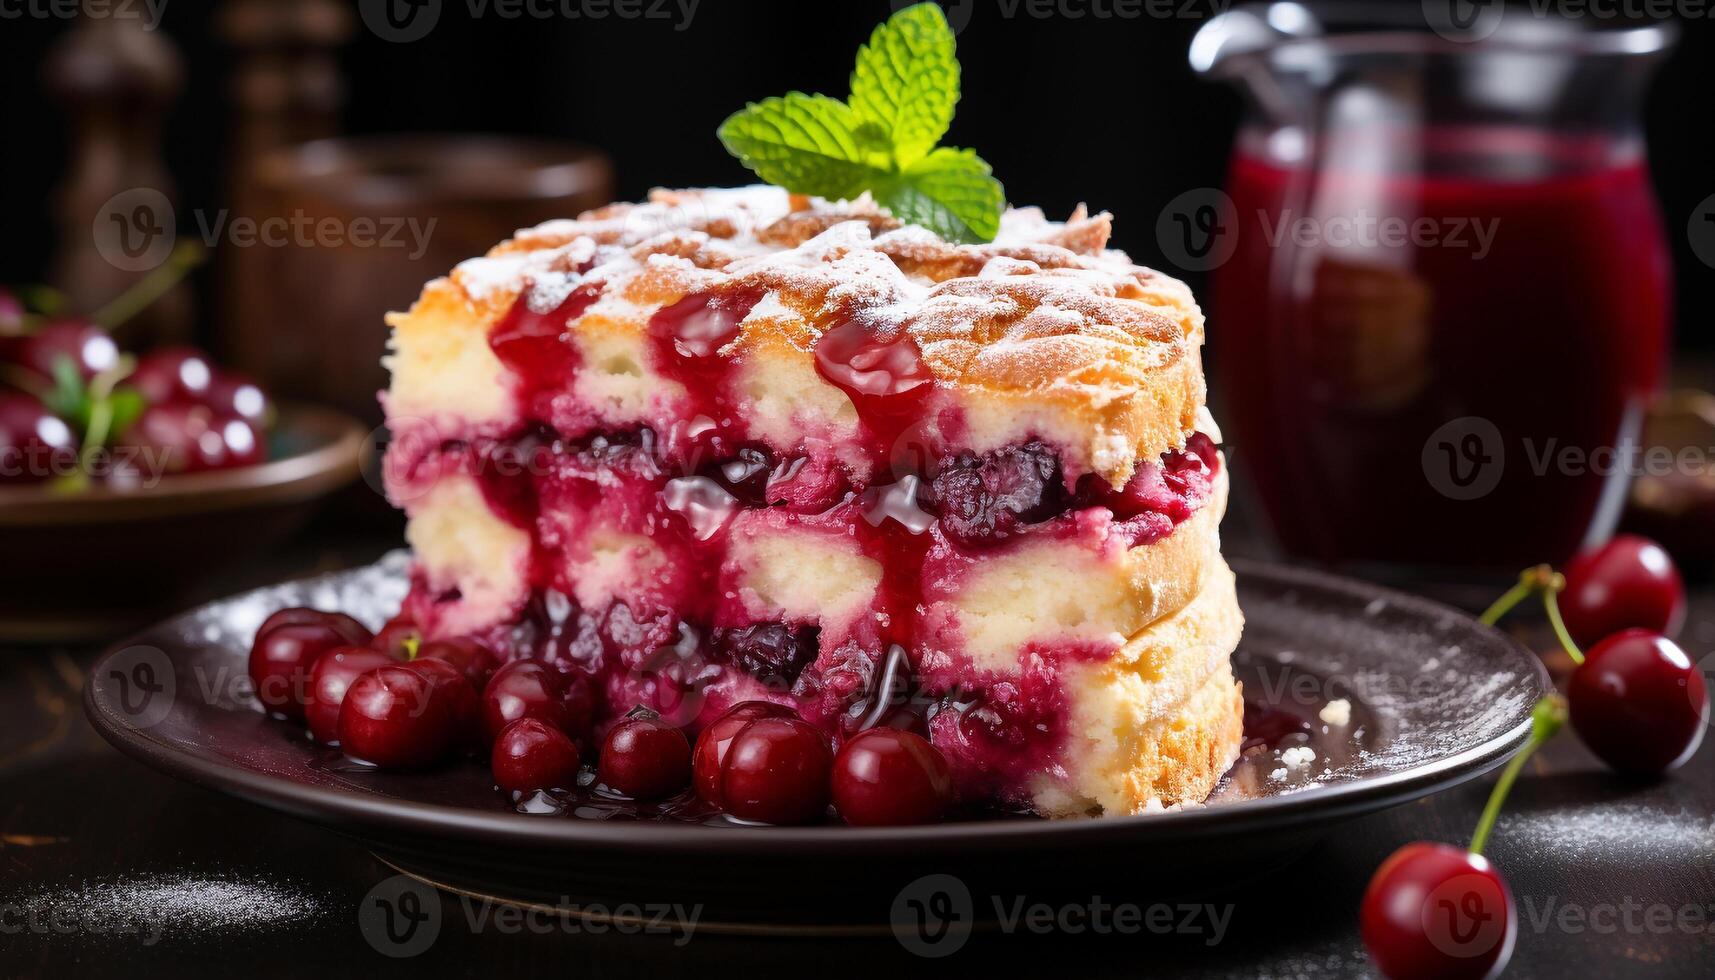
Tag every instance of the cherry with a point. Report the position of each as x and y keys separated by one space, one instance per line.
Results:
x=86 y=346
x=280 y=662
x=179 y=437
x=531 y=755
x=645 y=758
x=713 y=742
x=1628 y=582
x=885 y=777
x=770 y=651
x=1435 y=911
x=985 y=499
x=776 y=770
x=462 y=701
x=1438 y=912
x=239 y=397
x=355 y=633
x=473 y=660
x=182 y=374
x=397 y=718
x=330 y=678
x=1639 y=702
x=12 y=313
x=532 y=689
x=34 y=444
x=399 y=636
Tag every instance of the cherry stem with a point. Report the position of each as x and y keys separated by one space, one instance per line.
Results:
x=187 y=256
x=1540 y=580
x=1545 y=720
x=1512 y=597
x=1552 y=604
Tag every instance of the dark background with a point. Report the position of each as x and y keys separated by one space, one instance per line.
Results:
x=1102 y=110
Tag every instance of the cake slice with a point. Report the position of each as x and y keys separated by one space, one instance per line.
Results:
x=731 y=445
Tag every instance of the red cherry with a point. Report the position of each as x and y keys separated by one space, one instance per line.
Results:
x=173 y=374
x=776 y=771
x=355 y=633
x=12 y=312
x=886 y=777
x=1639 y=702
x=239 y=397
x=713 y=742
x=1628 y=582
x=398 y=636
x=181 y=437
x=1436 y=912
x=462 y=701
x=280 y=663
x=330 y=678
x=645 y=758
x=396 y=718
x=530 y=755
x=88 y=347
x=35 y=445
x=532 y=689
x=475 y=661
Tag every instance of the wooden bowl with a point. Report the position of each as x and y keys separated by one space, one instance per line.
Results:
x=89 y=565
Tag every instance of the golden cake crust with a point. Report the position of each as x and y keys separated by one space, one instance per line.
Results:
x=1158 y=726
x=1044 y=331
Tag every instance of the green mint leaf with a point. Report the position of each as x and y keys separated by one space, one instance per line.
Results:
x=808 y=144
x=950 y=192
x=907 y=81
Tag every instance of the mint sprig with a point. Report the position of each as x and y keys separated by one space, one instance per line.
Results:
x=883 y=138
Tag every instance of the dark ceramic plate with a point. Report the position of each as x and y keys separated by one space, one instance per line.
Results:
x=1434 y=699
x=96 y=564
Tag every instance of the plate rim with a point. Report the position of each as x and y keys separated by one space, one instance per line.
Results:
x=343 y=809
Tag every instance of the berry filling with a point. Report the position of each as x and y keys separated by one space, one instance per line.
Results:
x=655 y=577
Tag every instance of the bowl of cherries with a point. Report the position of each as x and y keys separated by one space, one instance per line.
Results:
x=124 y=477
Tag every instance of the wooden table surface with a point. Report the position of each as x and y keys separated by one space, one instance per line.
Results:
x=1612 y=879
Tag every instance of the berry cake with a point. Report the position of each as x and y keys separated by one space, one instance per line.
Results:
x=734 y=445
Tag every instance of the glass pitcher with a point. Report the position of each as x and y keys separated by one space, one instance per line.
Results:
x=1447 y=301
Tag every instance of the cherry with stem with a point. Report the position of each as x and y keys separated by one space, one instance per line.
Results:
x=1636 y=700
x=1433 y=910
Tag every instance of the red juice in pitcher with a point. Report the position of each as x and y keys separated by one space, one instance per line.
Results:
x=1446 y=364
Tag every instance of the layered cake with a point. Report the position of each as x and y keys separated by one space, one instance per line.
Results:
x=734 y=445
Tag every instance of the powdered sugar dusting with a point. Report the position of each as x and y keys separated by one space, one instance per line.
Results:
x=1611 y=832
x=152 y=905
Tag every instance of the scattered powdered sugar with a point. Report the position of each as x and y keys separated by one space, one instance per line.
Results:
x=152 y=905
x=1617 y=832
